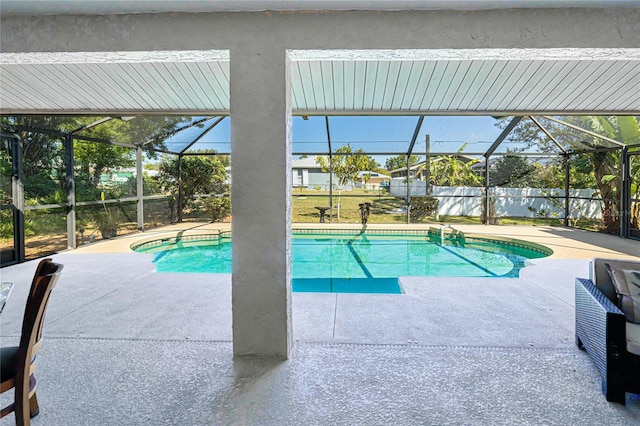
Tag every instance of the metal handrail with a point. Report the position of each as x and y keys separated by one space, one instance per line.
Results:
x=442 y=228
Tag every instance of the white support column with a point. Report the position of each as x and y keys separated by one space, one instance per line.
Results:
x=261 y=197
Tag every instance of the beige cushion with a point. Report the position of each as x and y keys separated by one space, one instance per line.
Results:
x=618 y=279
x=600 y=277
x=633 y=281
x=633 y=338
x=627 y=285
x=630 y=306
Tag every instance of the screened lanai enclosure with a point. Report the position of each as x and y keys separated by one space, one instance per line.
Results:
x=74 y=180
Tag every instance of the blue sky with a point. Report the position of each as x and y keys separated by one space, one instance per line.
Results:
x=395 y=128
x=394 y=133
x=379 y=133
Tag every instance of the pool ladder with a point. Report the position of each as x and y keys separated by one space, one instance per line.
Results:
x=453 y=235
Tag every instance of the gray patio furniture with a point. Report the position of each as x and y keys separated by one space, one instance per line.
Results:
x=603 y=330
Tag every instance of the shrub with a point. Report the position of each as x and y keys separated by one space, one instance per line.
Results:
x=6 y=226
x=108 y=222
x=422 y=207
x=218 y=208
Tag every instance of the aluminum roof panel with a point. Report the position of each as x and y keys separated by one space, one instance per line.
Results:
x=483 y=81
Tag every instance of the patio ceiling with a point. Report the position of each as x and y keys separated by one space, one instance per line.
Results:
x=477 y=81
x=463 y=81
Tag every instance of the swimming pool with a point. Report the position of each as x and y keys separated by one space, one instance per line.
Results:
x=358 y=262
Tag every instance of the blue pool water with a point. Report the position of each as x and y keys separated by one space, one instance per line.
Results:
x=359 y=263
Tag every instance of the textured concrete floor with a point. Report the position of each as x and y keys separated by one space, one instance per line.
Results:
x=125 y=345
x=163 y=382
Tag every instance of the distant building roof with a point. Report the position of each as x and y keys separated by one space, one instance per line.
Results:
x=373 y=174
x=305 y=163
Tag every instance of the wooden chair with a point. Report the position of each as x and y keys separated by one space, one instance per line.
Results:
x=18 y=362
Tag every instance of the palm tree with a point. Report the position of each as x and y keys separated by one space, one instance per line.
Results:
x=606 y=164
x=635 y=192
x=451 y=170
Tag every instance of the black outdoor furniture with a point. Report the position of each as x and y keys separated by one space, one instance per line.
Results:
x=601 y=330
x=365 y=210
x=323 y=211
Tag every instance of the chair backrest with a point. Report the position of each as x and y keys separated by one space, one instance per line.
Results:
x=600 y=277
x=44 y=280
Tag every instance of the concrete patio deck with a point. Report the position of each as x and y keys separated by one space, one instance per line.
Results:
x=126 y=345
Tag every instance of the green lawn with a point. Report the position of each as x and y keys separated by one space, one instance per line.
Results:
x=47 y=228
x=384 y=207
x=305 y=201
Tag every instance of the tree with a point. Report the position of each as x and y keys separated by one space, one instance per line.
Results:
x=635 y=192
x=201 y=174
x=42 y=155
x=43 y=151
x=451 y=170
x=513 y=171
x=529 y=135
x=94 y=158
x=400 y=161
x=552 y=174
x=345 y=166
x=372 y=164
x=602 y=166
x=606 y=164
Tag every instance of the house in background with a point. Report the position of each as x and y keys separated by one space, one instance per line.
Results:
x=114 y=178
x=415 y=171
x=374 y=181
x=308 y=174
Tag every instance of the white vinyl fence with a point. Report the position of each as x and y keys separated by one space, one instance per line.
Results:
x=509 y=202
